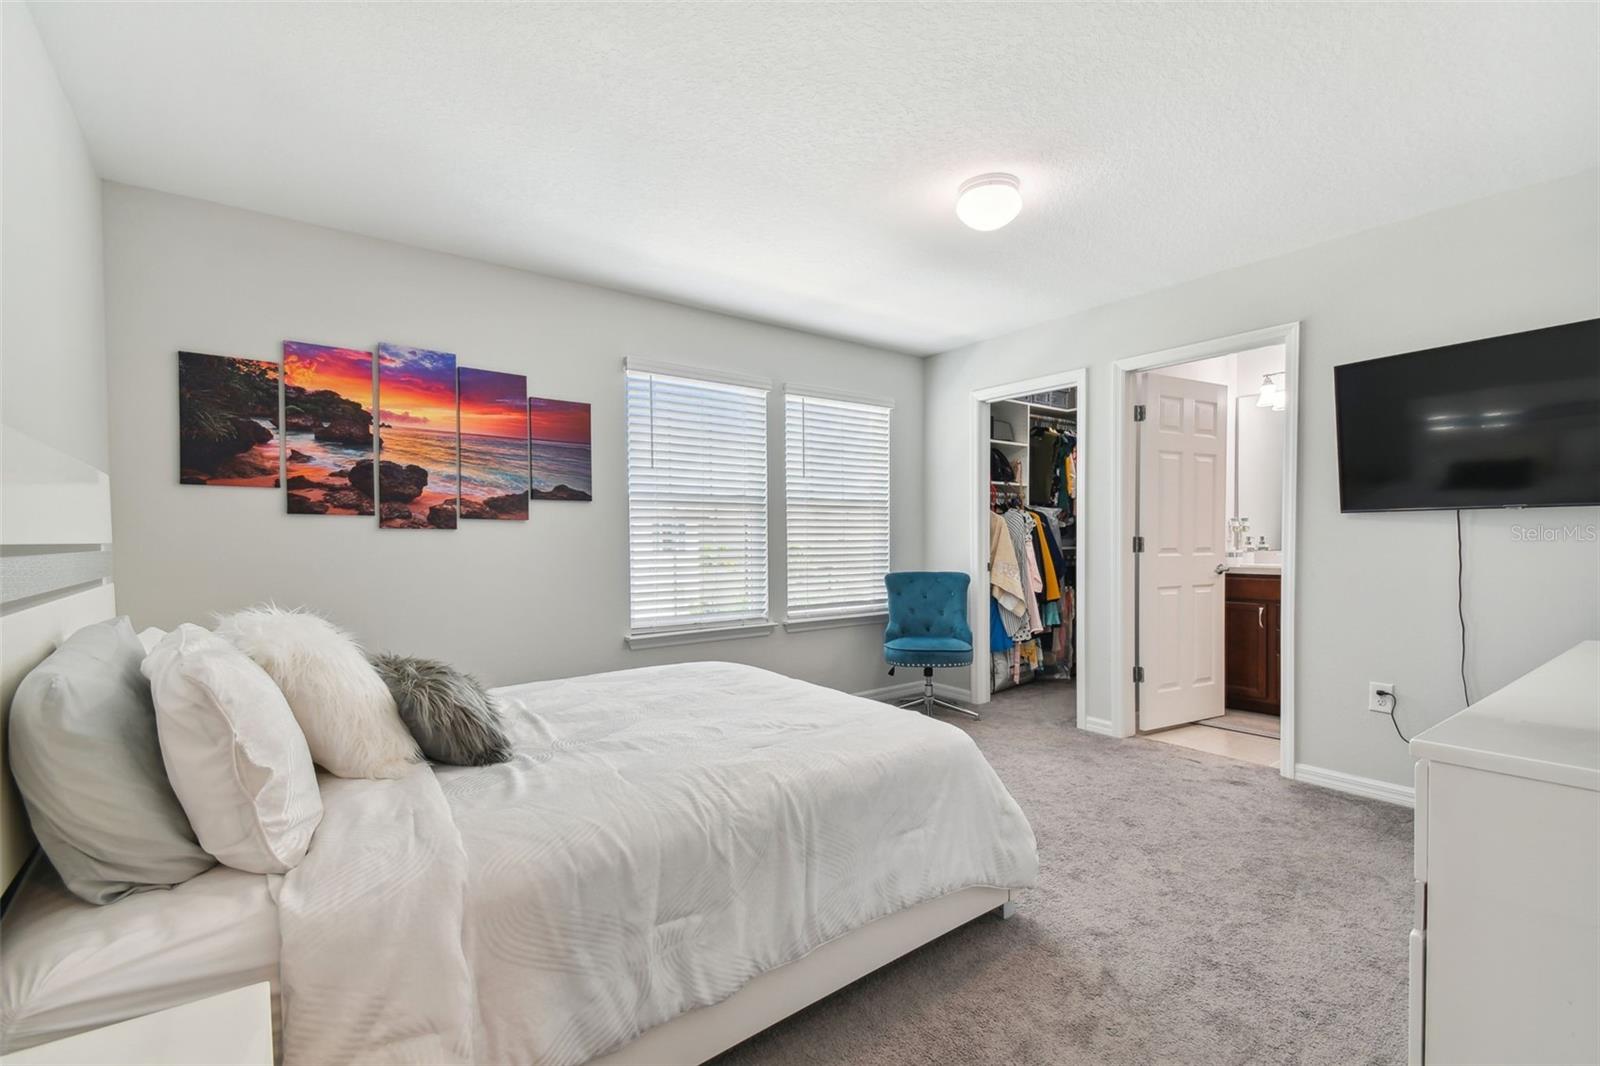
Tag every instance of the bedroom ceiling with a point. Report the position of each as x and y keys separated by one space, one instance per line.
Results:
x=799 y=163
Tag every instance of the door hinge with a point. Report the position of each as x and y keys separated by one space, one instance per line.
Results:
x=1138 y=544
x=1138 y=412
x=1138 y=675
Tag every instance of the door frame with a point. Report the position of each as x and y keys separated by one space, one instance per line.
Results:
x=1123 y=720
x=978 y=513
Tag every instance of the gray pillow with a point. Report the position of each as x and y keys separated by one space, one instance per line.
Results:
x=450 y=716
x=87 y=761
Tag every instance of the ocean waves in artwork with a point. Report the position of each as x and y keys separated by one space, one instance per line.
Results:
x=494 y=477
x=561 y=470
x=494 y=444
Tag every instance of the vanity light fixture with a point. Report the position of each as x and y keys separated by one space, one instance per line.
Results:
x=1272 y=394
x=1269 y=392
x=989 y=201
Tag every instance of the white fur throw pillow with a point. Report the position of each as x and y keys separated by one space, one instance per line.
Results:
x=343 y=707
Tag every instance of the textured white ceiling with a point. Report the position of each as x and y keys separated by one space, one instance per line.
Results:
x=798 y=163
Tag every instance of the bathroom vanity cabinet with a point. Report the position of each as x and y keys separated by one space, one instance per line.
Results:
x=1251 y=633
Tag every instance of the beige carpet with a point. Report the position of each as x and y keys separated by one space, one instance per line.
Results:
x=1191 y=909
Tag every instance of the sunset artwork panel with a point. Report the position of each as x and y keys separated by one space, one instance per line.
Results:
x=327 y=429
x=494 y=444
x=560 y=463
x=417 y=440
x=227 y=421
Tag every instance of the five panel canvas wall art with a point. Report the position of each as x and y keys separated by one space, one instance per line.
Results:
x=403 y=434
x=227 y=421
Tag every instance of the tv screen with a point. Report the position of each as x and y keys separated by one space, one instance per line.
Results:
x=1509 y=421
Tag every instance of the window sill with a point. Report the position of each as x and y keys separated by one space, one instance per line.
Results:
x=663 y=638
x=801 y=625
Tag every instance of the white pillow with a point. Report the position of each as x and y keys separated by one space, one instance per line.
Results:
x=233 y=752
x=345 y=710
x=150 y=637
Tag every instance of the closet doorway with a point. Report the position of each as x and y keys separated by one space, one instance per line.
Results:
x=1028 y=509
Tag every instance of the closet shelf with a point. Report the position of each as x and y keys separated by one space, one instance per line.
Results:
x=1054 y=410
x=1013 y=443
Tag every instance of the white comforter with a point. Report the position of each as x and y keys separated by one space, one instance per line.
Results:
x=661 y=837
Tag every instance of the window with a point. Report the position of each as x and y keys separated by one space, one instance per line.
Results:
x=697 y=502
x=837 y=493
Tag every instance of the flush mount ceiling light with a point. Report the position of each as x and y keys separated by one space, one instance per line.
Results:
x=989 y=201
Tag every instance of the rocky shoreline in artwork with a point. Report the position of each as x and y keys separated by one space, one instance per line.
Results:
x=227 y=412
x=560 y=492
x=403 y=485
x=406 y=503
x=327 y=415
x=512 y=505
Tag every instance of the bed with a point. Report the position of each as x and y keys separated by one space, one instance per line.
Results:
x=676 y=858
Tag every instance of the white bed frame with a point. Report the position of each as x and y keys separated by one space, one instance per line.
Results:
x=703 y=1033
x=55 y=541
x=55 y=567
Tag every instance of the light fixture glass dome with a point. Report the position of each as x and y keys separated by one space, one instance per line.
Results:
x=989 y=201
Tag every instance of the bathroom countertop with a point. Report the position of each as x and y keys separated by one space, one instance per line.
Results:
x=1262 y=569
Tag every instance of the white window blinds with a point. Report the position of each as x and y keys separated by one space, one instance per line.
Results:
x=836 y=488
x=697 y=502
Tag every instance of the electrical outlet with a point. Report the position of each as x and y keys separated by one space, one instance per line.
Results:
x=1375 y=702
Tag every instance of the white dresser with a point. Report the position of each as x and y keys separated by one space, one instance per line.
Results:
x=1505 y=955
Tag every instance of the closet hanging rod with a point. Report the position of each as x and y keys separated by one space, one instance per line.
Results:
x=1049 y=409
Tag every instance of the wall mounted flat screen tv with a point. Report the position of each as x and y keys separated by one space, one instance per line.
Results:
x=1509 y=421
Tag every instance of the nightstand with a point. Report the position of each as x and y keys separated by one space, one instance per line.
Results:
x=231 y=1029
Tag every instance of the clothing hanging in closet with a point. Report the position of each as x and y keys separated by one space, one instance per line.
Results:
x=1006 y=583
x=1020 y=525
x=1052 y=464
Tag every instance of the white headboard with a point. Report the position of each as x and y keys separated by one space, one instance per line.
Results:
x=55 y=578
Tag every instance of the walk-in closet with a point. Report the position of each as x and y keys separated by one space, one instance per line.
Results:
x=1033 y=538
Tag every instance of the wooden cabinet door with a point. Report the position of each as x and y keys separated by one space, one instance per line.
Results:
x=1246 y=659
x=1274 y=656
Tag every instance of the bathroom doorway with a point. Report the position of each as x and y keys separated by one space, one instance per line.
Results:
x=1208 y=508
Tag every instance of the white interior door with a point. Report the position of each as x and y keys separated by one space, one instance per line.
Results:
x=1183 y=460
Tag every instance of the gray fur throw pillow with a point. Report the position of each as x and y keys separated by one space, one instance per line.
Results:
x=449 y=714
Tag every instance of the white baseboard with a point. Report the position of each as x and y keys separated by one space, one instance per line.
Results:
x=1370 y=787
x=1098 y=725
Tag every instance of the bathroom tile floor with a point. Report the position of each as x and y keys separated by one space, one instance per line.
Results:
x=1262 y=751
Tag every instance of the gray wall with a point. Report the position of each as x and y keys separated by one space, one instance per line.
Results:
x=510 y=601
x=1377 y=592
x=53 y=338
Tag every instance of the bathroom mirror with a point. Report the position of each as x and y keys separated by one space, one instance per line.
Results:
x=1258 y=487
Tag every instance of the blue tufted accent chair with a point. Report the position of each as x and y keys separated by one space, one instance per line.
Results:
x=928 y=628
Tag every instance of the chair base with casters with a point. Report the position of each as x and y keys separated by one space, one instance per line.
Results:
x=928 y=628
x=928 y=701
